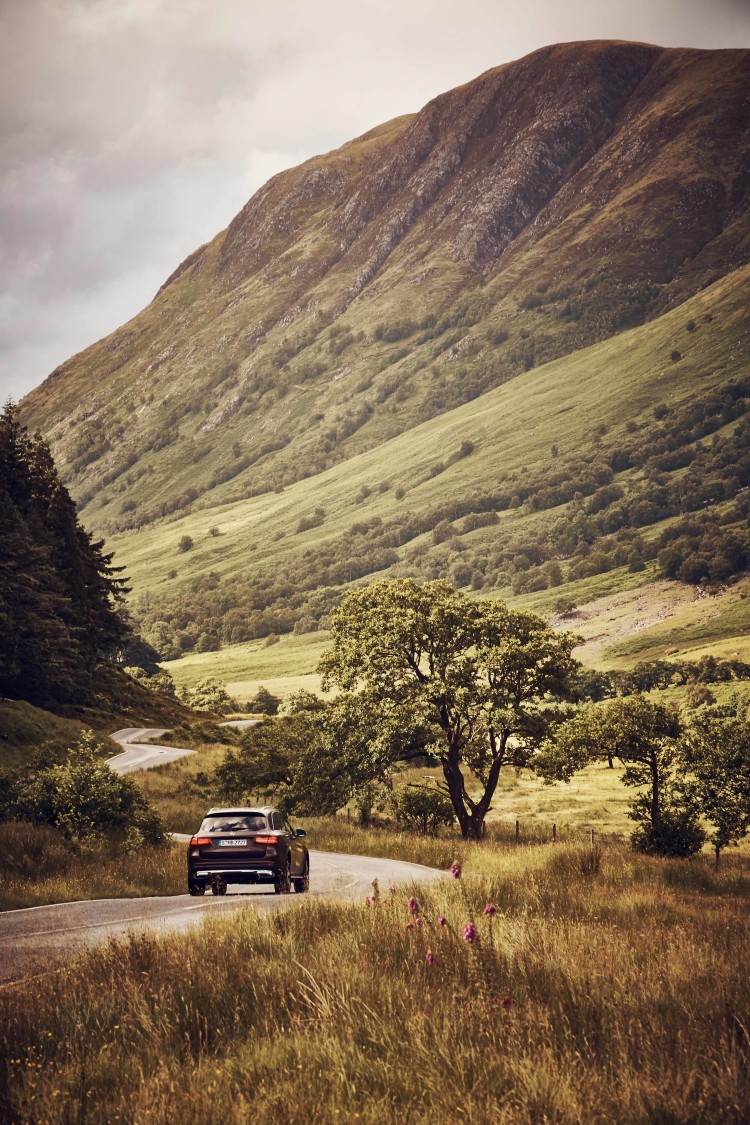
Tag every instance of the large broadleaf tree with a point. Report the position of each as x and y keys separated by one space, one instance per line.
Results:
x=476 y=683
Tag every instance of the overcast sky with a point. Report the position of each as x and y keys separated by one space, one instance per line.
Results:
x=131 y=131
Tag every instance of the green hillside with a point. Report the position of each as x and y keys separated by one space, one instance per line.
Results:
x=547 y=205
x=294 y=550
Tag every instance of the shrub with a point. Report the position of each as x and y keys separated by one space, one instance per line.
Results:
x=423 y=809
x=185 y=544
x=677 y=834
x=84 y=798
x=209 y=695
x=698 y=695
x=264 y=702
x=307 y=523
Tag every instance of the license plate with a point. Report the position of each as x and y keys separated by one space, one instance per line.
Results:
x=232 y=843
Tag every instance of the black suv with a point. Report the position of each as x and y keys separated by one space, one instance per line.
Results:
x=243 y=845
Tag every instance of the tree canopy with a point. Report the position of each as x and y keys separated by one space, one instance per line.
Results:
x=475 y=683
x=645 y=736
x=716 y=752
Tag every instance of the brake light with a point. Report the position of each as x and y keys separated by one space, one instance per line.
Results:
x=266 y=839
x=199 y=841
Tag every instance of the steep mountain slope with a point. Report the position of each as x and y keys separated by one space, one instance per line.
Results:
x=547 y=205
x=566 y=483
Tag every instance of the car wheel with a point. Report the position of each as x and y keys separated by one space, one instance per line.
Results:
x=302 y=884
x=196 y=888
x=218 y=886
x=283 y=882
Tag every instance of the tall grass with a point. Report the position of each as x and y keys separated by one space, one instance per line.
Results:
x=37 y=866
x=591 y=995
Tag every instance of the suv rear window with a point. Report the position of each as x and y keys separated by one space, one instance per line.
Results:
x=234 y=822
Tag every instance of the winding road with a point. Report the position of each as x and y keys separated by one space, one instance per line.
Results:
x=143 y=755
x=40 y=939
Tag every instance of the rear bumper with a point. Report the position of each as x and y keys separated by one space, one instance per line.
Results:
x=233 y=874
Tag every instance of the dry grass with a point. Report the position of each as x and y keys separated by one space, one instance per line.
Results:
x=37 y=866
x=606 y=988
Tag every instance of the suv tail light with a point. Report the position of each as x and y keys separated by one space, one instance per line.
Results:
x=266 y=839
x=199 y=841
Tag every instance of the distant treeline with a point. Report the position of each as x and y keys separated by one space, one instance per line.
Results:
x=59 y=593
x=649 y=675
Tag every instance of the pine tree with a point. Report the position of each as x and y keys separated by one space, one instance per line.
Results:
x=60 y=596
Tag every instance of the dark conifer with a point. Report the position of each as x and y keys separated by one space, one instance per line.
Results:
x=60 y=595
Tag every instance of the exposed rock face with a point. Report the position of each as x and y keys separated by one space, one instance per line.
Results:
x=622 y=167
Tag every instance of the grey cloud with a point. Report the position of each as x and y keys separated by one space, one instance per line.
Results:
x=131 y=131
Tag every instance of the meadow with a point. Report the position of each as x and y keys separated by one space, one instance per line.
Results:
x=604 y=987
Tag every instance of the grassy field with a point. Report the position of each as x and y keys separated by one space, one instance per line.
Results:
x=606 y=987
x=283 y=667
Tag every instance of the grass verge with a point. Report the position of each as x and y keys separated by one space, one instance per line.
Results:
x=37 y=867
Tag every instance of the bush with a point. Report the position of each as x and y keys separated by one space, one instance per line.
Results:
x=185 y=544
x=423 y=809
x=698 y=695
x=677 y=834
x=209 y=695
x=264 y=702
x=84 y=798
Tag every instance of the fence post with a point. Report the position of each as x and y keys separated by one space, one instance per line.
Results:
x=518 y=831
x=592 y=837
x=348 y=814
x=554 y=833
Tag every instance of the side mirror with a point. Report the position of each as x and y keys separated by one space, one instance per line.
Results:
x=300 y=833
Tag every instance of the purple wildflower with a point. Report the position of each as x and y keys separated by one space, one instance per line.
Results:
x=430 y=957
x=420 y=922
x=442 y=921
x=413 y=906
x=456 y=869
x=391 y=890
x=410 y=925
x=470 y=933
x=489 y=909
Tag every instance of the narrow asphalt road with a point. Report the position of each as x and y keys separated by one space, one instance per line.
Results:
x=138 y=754
x=42 y=938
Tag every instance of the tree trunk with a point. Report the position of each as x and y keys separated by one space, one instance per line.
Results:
x=455 y=783
x=717 y=855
